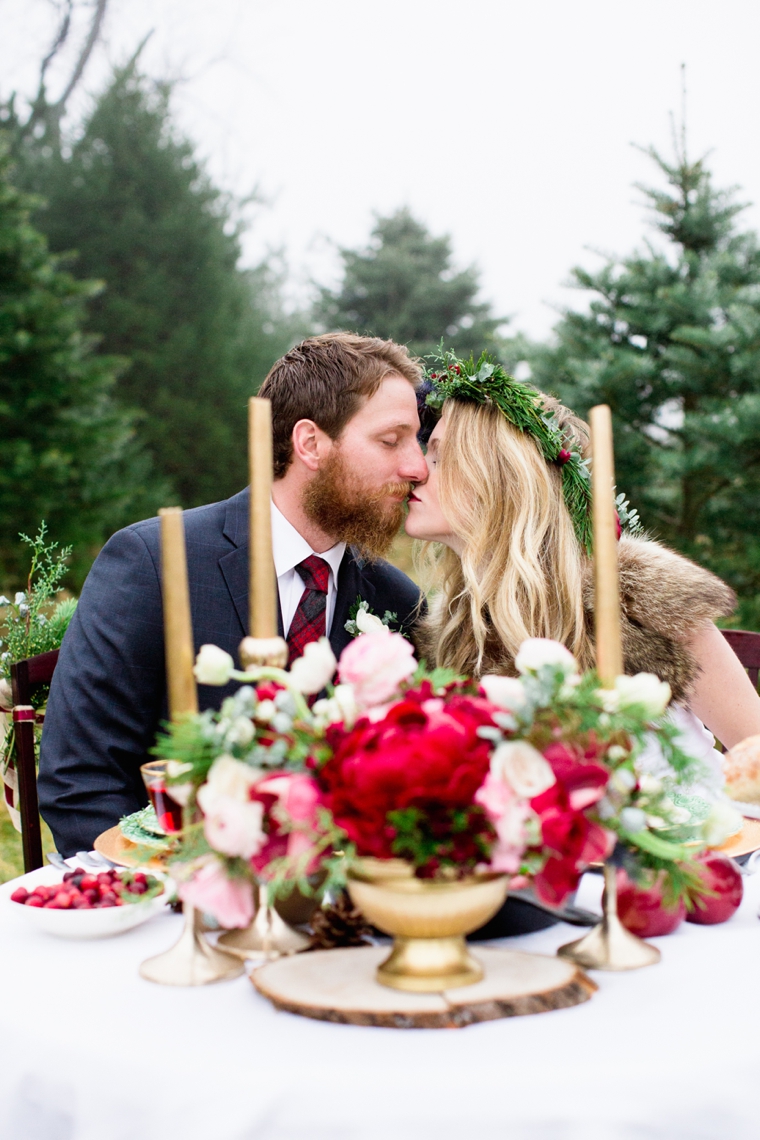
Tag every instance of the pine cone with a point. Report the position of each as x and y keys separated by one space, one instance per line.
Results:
x=339 y=924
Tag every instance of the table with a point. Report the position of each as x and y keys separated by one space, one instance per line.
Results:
x=90 y=1051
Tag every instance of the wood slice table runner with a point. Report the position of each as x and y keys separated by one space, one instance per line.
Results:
x=339 y=985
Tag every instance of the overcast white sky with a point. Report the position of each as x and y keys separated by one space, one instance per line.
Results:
x=507 y=124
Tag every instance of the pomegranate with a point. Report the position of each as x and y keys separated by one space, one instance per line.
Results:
x=722 y=877
x=641 y=909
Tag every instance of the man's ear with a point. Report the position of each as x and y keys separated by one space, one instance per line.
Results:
x=311 y=445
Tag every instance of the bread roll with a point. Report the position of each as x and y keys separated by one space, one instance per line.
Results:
x=742 y=771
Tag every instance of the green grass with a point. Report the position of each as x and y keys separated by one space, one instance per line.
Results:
x=11 y=858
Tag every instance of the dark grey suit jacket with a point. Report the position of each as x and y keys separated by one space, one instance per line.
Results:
x=108 y=695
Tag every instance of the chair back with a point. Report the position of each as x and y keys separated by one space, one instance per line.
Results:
x=746 y=645
x=26 y=676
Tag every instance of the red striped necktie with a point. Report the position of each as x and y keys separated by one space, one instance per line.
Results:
x=309 y=620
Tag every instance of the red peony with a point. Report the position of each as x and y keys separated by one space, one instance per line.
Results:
x=425 y=753
x=572 y=839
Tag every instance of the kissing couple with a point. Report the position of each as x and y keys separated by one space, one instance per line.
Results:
x=500 y=491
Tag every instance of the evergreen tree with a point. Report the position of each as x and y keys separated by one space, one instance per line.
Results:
x=671 y=341
x=67 y=452
x=130 y=197
x=402 y=286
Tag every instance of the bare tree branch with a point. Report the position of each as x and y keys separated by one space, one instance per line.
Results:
x=97 y=20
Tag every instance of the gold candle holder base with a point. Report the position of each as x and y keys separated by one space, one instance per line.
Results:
x=263 y=652
x=609 y=946
x=268 y=936
x=192 y=961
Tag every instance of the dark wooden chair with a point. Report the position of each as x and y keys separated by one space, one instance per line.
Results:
x=746 y=646
x=26 y=677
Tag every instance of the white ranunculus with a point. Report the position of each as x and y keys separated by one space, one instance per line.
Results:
x=265 y=710
x=339 y=708
x=523 y=767
x=609 y=699
x=623 y=780
x=228 y=777
x=646 y=690
x=369 y=623
x=649 y=784
x=722 y=822
x=536 y=652
x=213 y=666
x=235 y=828
x=633 y=819
x=311 y=672
x=506 y=692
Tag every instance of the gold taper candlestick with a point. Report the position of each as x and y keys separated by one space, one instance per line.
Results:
x=263 y=646
x=609 y=946
x=609 y=653
x=178 y=630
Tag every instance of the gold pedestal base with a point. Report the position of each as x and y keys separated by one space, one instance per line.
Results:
x=263 y=652
x=268 y=936
x=192 y=961
x=609 y=946
x=429 y=965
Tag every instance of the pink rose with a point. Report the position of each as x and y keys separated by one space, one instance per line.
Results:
x=298 y=794
x=507 y=812
x=230 y=901
x=234 y=828
x=375 y=664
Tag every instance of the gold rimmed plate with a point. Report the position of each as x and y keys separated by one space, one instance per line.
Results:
x=744 y=842
x=125 y=853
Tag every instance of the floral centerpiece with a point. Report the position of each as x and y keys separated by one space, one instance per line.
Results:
x=437 y=778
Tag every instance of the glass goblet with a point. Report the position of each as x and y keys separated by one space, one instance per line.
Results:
x=168 y=811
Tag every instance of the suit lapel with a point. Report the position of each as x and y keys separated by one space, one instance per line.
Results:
x=351 y=585
x=234 y=565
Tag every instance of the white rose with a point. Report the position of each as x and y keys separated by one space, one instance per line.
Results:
x=522 y=766
x=228 y=777
x=536 y=652
x=311 y=672
x=609 y=699
x=646 y=690
x=506 y=692
x=235 y=828
x=369 y=623
x=213 y=666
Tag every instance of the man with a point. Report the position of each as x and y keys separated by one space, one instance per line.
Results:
x=345 y=458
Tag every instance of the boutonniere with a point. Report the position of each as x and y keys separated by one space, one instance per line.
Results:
x=361 y=619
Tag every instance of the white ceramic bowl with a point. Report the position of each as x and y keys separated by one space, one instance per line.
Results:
x=100 y=922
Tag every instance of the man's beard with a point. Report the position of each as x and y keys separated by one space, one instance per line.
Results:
x=342 y=505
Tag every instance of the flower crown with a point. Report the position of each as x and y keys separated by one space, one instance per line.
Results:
x=487 y=382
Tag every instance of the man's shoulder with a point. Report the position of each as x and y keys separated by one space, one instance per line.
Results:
x=202 y=524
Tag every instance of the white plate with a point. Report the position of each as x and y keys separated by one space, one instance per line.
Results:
x=100 y=922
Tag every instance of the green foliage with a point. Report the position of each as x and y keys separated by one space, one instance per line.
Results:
x=33 y=623
x=199 y=334
x=671 y=341
x=402 y=286
x=485 y=381
x=67 y=452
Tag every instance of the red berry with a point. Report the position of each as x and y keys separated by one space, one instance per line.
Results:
x=88 y=882
x=34 y=900
x=109 y=899
x=20 y=895
x=92 y=896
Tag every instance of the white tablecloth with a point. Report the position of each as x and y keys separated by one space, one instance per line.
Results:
x=90 y=1051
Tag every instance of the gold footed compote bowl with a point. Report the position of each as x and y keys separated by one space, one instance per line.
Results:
x=428 y=920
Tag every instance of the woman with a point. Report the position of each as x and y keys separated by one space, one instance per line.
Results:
x=507 y=496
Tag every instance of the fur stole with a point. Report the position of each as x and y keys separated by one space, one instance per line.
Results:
x=664 y=600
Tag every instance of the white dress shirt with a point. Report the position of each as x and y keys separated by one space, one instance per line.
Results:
x=290 y=548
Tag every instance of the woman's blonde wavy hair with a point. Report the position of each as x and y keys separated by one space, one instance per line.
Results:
x=522 y=568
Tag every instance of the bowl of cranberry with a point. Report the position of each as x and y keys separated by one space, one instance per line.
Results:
x=88 y=904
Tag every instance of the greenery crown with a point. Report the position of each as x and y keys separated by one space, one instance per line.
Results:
x=487 y=382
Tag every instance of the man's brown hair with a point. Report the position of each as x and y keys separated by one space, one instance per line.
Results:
x=327 y=379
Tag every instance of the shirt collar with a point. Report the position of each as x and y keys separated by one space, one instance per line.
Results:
x=289 y=547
